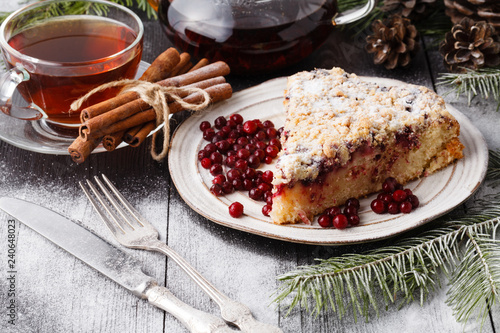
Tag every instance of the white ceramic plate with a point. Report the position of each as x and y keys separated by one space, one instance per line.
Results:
x=438 y=193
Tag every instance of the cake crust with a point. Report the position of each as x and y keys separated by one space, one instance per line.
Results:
x=340 y=130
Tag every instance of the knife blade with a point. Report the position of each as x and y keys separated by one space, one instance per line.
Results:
x=110 y=261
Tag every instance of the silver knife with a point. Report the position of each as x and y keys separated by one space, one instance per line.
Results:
x=115 y=264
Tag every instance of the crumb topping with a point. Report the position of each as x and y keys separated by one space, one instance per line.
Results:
x=330 y=113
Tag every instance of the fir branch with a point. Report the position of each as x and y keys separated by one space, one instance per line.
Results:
x=493 y=172
x=409 y=270
x=484 y=82
x=83 y=6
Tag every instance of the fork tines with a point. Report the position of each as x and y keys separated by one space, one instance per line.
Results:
x=118 y=213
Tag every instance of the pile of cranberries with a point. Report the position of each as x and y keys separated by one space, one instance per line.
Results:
x=339 y=219
x=235 y=150
x=394 y=199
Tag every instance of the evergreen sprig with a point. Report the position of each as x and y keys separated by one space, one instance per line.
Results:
x=83 y=6
x=464 y=248
x=484 y=82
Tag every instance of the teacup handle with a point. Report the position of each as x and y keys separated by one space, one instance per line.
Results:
x=355 y=15
x=8 y=83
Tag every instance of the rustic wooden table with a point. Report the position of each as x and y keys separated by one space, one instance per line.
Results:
x=54 y=292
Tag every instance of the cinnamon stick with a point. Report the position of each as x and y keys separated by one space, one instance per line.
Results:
x=80 y=149
x=111 y=141
x=136 y=139
x=126 y=110
x=217 y=93
x=202 y=63
x=207 y=72
x=131 y=132
x=162 y=66
x=158 y=70
x=183 y=62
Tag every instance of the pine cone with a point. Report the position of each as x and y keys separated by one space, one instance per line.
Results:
x=477 y=10
x=470 y=45
x=412 y=9
x=393 y=42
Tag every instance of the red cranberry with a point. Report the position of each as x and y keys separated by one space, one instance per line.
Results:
x=325 y=221
x=236 y=209
x=237 y=147
x=268 y=160
x=247 y=184
x=414 y=201
x=216 y=157
x=243 y=153
x=353 y=202
x=280 y=130
x=209 y=134
x=203 y=154
x=264 y=187
x=353 y=220
x=399 y=195
x=268 y=176
x=260 y=154
x=231 y=160
x=268 y=124
x=405 y=207
x=242 y=141
x=204 y=126
x=275 y=142
x=222 y=146
x=241 y=164
x=220 y=135
x=266 y=210
x=250 y=127
x=250 y=147
x=216 y=190
x=206 y=163
x=253 y=161
x=237 y=118
x=385 y=197
x=250 y=173
x=393 y=208
x=268 y=197
x=226 y=130
x=219 y=179
x=210 y=148
x=408 y=191
x=340 y=221
x=233 y=134
x=231 y=153
x=255 y=194
x=389 y=185
x=227 y=187
x=378 y=206
x=272 y=151
x=271 y=133
x=220 y=122
x=261 y=135
x=215 y=169
x=350 y=210
x=231 y=123
x=261 y=145
x=233 y=174
x=332 y=211
x=237 y=184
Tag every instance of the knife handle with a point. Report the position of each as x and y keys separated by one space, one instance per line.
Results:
x=195 y=320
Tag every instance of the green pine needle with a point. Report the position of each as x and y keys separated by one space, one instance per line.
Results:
x=464 y=248
x=484 y=82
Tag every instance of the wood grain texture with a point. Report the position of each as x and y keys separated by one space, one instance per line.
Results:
x=58 y=293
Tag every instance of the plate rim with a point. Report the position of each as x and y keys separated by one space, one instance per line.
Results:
x=483 y=151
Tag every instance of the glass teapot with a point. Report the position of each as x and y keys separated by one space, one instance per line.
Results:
x=252 y=36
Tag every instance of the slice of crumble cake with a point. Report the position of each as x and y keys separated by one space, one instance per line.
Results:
x=343 y=137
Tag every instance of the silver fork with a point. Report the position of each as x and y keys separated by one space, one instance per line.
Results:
x=134 y=231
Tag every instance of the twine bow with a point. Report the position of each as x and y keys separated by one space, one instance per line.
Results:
x=157 y=96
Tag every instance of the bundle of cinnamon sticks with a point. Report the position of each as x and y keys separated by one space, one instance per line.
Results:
x=128 y=118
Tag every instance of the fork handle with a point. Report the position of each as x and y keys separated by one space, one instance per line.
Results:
x=231 y=311
x=195 y=320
